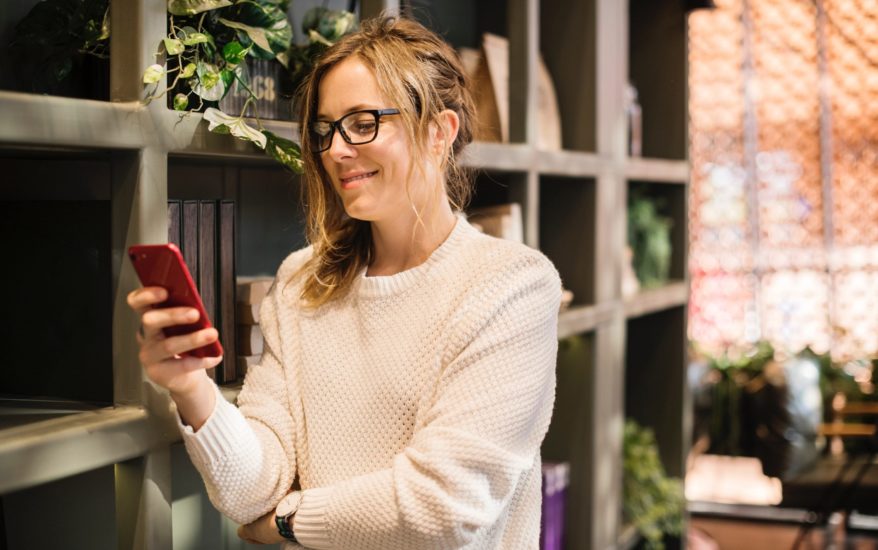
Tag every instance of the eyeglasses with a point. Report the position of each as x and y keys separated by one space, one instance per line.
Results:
x=356 y=128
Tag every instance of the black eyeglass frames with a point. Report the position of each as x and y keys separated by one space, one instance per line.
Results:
x=356 y=128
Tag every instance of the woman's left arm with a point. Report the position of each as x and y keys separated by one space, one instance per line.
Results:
x=482 y=432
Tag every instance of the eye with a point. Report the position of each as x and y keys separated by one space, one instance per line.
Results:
x=364 y=125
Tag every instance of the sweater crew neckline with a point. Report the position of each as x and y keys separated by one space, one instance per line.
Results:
x=389 y=285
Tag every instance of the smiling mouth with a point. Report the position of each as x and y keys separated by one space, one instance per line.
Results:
x=347 y=182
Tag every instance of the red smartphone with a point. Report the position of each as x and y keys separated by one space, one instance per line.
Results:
x=162 y=265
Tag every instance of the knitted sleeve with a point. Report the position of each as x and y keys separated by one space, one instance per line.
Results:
x=482 y=432
x=246 y=454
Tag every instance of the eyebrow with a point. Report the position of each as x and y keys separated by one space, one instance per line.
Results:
x=357 y=107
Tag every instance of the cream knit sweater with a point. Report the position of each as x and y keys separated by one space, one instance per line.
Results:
x=410 y=412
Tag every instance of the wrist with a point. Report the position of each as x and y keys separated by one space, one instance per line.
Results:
x=195 y=404
x=284 y=514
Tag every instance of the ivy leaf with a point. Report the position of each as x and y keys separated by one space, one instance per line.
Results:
x=227 y=77
x=234 y=53
x=153 y=74
x=191 y=7
x=266 y=26
x=188 y=71
x=181 y=101
x=222 y=123
x=105 y=26
x=318 y=38
x=196 y=38
x=284 y=151
x=173 y=46
x=210 y=86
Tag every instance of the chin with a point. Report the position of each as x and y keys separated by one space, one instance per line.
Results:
x=358 y=212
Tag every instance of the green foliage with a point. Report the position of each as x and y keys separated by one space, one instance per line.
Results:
x=649 y=236
x=732 y=373
x=53 y=38
x=206 y=49
x=653 y=501
x=324 y=27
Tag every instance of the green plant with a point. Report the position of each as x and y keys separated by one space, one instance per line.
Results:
x=206 y=48
x=731 y=374
x=323 y=27
x=52 y=39
x=649 y=236
x=653 y=501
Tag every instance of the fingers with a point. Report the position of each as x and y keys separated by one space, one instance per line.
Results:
x=156 y=348
x=154 y=320
x=142 y=299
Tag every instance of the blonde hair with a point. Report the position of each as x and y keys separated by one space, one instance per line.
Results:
x=422 y=76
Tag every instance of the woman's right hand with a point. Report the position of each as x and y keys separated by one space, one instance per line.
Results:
x=183 y=376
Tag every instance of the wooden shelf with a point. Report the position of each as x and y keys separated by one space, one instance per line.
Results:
x=671 y=295
x=44 y=451
x=570 y=163
x=657 y=170
x=504 y=157
x=39 y=120
x=581 y=319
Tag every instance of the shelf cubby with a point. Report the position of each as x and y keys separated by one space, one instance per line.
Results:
x=81 y=511
x=656 y=394
x=657 y=69
x=670 y=202
x=570 y=435
x=567 y=232
x=568 y=47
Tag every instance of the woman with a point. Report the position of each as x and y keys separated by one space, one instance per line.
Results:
x=408 y=377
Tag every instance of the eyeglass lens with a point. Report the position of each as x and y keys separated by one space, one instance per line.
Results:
x=356 y=128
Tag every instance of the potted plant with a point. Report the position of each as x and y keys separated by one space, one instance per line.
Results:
x=206 y=49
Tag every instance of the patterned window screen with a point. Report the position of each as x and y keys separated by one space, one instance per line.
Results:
x=783 y=113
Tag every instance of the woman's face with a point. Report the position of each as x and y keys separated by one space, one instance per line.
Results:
x=369 y=178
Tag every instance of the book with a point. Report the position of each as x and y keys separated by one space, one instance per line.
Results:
x=503 y=221
x=248 y=314
x=175 y=223
x=251 y=290
x=250 y=341
x=556 y=478
x=189 y=237
x=207 y=266
x=227 y=290
x=247 y=361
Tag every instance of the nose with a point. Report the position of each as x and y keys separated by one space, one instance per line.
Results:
x=339 y=148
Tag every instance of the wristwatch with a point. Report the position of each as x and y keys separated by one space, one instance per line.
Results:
x=283 y=514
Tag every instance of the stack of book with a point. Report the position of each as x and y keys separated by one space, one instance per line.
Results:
x=204 y=230
x=556 y=478
x=251 y=291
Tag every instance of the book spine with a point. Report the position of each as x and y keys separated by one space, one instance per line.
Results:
x=207 y=265
x=227 y=288
x=189 y=237
x=175 y=223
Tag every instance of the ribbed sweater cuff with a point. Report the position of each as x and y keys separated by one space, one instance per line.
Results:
x=215 y=439
x=309 y=523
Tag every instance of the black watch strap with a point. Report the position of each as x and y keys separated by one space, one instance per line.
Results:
x=283 y=527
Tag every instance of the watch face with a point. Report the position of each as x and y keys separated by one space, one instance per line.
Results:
x=289 y=504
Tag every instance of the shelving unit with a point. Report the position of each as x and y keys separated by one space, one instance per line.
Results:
x=618 y=357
